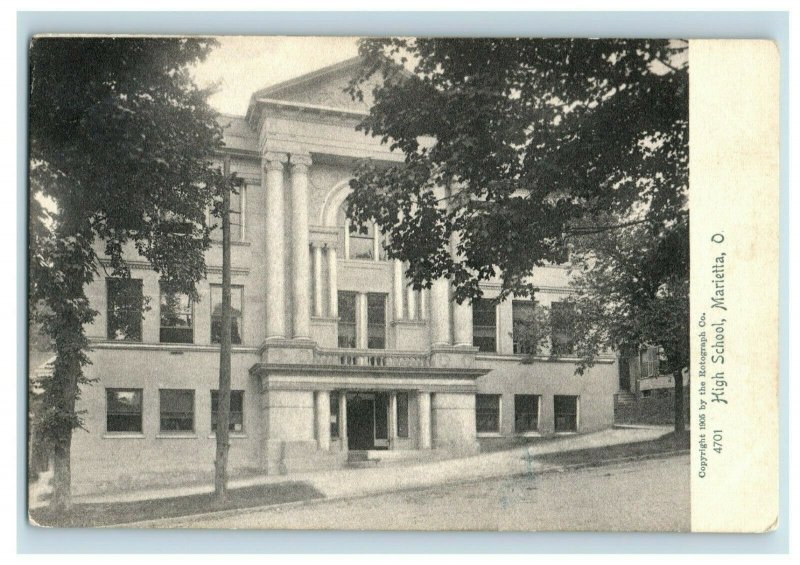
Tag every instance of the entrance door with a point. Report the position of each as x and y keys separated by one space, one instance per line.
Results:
x=360 y=422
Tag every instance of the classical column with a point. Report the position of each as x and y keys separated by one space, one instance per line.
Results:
x=300 y=267
x=273 y=166
x=343 y=419
x=346 y=239
x=424 y=413
x=322 y=410
x=392 y=419
x=317 y=281
x=462 y=313
x=462 y=323
x=361 y=326
x=376 y=242
x=333 y=284
x=398 y=289
x=440 y=313
x=423 y=304
x=412 y=303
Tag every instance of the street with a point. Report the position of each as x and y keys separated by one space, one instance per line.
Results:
x=651 y=495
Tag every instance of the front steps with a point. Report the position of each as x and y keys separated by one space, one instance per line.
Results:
x=359 y=459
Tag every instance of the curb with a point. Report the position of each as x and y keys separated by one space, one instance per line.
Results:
x=164 y=522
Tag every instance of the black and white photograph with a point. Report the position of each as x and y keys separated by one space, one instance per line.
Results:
x=361 y=283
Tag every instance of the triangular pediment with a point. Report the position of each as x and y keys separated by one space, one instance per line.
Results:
x=324 y=87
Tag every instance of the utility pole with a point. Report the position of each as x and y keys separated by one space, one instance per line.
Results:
x=224 y=392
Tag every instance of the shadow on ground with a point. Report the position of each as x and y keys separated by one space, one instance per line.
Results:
x=110 y=514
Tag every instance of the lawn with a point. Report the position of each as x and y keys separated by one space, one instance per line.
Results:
x=598 y=455
x=110 y=514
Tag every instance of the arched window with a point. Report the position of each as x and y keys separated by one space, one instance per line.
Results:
x=364 y=243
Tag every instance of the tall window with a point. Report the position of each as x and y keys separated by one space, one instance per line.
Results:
x=347 y=319
x=562 y=325
x=236 y=313
x=526 y=413
x=524 y=326
x=177 y=410
x=484 y=325
x=362 y=242
x=334 y=413
x=124 y=410
x=565 y=409
x=376 y=321
x=402 y=414
x=124 y=309
x=236 y=421
x=176 y=318
x=487 y=413
x=237 y=213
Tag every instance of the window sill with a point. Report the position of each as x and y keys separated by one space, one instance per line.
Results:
x=123 y=435
x=528 y=434
x=176 y=435
x=407 y=322
x=324 y=320
x=489 y=434
x=566 y=433
x=365 y=263
x=231 y=435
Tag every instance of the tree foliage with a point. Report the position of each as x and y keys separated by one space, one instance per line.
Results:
x=526 y=152
x=120 y=147
x=530 y=136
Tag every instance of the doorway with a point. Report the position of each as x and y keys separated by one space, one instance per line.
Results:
x=367 y=421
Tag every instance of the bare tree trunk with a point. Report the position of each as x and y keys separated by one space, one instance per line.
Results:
x=680 y=422
x=224 y=393
x=62 y=476
x=62 y=446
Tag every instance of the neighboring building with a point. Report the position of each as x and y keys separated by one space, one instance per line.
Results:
x=332 y=351
x=646 y=369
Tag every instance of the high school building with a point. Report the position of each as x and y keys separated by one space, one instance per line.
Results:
x=334 y=355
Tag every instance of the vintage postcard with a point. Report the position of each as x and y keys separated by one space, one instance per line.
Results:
x=403 y=283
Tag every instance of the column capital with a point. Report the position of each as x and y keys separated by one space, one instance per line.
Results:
x=273 y=161
x=298 y=160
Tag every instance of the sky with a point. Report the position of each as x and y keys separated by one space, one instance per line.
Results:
x=241 y=65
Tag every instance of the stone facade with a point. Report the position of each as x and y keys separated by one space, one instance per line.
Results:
x=410 y=379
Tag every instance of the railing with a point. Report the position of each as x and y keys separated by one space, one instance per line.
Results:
x=371 y=358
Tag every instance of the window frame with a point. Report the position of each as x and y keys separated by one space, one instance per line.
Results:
x=497 y=431
x=115 y=280
x=475 y=336
x=577 y=414
x=556 y=350
x=162 y=327
x=161 y=429
x=537 y=414
x=377 y=250
x=234 y=288
x=216 y=236
x=378 y=323
x=341 y=322
x=515 y=345
x=212 y=423
x=140 y=392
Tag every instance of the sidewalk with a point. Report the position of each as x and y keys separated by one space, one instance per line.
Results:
x=342 y=483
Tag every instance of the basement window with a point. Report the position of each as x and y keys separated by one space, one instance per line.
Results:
x=487 y=413
x=565 y=409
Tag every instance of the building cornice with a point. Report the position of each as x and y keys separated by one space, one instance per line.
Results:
x=101 y=343
x=210 y=269
x=315 y=369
